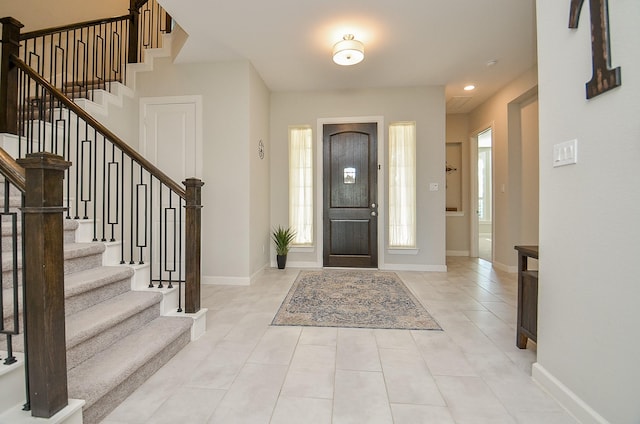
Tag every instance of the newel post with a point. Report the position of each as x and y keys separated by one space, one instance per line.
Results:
x=9 y=76
x=44 y=283
x=134 y=23
x=193 y=240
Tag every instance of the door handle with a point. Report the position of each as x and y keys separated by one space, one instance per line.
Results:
x=373 y=213
x=373 y=206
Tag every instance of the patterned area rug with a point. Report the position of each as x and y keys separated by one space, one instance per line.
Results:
x=357 y=299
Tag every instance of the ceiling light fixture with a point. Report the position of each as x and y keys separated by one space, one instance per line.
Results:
x=349 y=51
x=469 y=87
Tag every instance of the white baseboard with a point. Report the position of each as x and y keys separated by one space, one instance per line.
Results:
x=226 y=281
x=457 y=253
x=386 y=267
x=567 y=398
x=315 y=265
x=505 y=268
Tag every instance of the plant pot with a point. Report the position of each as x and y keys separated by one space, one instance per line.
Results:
x=282 y=261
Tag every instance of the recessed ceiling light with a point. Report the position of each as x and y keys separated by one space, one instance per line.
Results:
x=469 y=87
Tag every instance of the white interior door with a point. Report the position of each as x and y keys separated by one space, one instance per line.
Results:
x=171 y=139
x=170 y=135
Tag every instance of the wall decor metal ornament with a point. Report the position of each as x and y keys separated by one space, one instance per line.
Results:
x=260 y=149
x=603 y=77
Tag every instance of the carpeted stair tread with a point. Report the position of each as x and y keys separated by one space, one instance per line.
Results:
x=112 y=367
x=78 y=250
x=92 y=321
x=76 y=284
x=90 y=279
x=71 y=251
x=86 y=288
x=69 y=229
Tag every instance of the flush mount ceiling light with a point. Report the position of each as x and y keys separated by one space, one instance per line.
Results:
x=469 y=87
x=348 y=51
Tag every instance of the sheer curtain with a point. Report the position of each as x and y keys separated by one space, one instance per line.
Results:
x=301 y=184
x=402 y=184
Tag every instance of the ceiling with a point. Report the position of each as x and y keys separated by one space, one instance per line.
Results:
x=408 y=43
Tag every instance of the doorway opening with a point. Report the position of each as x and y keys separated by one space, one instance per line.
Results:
x=484 y=196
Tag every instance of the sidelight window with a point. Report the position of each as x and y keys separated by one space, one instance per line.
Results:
x=301 y=184
x=402 y=185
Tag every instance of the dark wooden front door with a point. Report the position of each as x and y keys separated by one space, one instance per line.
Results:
x=350 y=170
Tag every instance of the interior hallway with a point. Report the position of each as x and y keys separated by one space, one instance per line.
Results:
x=245 y=371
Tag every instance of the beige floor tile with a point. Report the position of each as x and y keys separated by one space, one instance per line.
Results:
x=321 y=336
x=314 y=357
x=545 y=417
x=442 y=355
x=470 y=400
x=420 y=414
x=515 y=389
x=188 y=405
x=408 y=379
x=220 y=368
x=252 y=396
x=360 y=397
x=309 y=383
x=394 y=339
x=276 y=346
x=357 y=350
x=250 y=328
x=298 y=410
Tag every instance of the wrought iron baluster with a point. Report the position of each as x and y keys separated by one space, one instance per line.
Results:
x=160 y=255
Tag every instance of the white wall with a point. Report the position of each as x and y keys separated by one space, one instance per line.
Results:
x=588 y=344
x=425 y=105
x=502 y=111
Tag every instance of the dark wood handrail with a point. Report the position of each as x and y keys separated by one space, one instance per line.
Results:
x=140 y=3
x=70 y=27
x=128 y=150
x=12 y=171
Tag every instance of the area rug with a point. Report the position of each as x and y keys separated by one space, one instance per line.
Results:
x=357 y=299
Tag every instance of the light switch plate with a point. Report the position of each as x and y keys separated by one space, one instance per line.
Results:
x=433 y=187
x=565 y=153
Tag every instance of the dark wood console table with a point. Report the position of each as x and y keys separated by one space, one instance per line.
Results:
x=527 y=297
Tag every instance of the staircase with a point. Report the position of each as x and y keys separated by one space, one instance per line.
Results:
x=121 y=321
x=116 y=337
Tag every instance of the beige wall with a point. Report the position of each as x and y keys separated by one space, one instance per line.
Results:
x=40 y=14
x=502 y=111
x=529 y=165
x=230 y=124
x=425 y=105
x=259 y=234
x=457 y=131
x=588 y=347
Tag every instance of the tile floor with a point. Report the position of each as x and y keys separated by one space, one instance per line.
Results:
x=244 y=371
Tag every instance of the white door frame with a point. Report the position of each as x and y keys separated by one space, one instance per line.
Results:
x=379 y=120
x=473 y=166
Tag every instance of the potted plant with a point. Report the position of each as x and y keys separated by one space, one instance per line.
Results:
x=282 y=237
